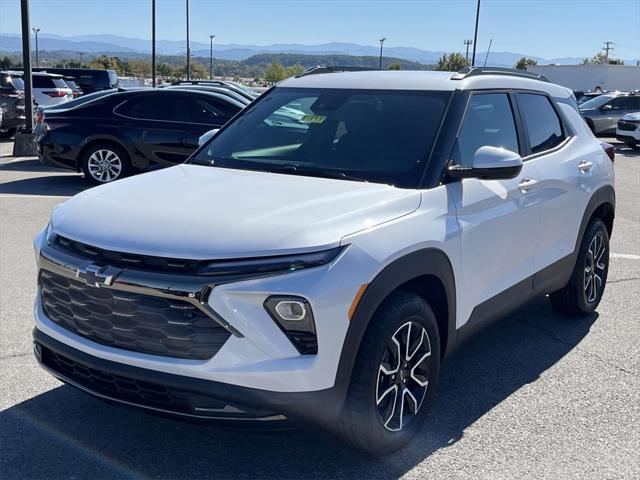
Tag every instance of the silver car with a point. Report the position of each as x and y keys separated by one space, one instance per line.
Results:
x=602 y=113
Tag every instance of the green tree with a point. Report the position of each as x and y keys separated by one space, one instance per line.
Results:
x=452 y=62
x=601 y=58
x=294 y=70
x=275 y=72
x=525 y=62
x=199 y=72
x=6 y=63
x=395 y=66
x=164 y=70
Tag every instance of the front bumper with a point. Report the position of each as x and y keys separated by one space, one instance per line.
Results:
x=628 y=137
x=258 y=355
x=180 y=396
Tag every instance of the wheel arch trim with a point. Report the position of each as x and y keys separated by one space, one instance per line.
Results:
x=428 y=261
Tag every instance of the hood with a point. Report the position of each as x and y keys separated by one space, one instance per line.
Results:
x=632 y=117
x=200 y=212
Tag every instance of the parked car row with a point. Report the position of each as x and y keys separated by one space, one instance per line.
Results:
x=51 y=86
x=108 y=135
x=603 y=112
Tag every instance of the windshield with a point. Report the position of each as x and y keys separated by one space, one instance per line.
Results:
x=367 y=135
x=596 y=102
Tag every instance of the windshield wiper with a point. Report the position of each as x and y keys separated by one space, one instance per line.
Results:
x=313 y=172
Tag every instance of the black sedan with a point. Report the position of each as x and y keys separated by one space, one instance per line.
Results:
x=116 y=134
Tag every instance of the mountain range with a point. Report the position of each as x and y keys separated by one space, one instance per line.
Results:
x=103 y=43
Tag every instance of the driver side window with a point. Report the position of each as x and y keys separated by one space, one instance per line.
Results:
x=488 y=122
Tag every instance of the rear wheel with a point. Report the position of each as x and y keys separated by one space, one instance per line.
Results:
x=105 y=163
x=585 y=288
x=394 y=378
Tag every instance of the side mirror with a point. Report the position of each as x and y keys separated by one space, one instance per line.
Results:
x=204 y=138
x=606 y=107
x=490 y=163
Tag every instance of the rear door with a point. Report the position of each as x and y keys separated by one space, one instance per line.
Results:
x=565 y=168
x=156 y=126
x=498 y=219
x=204 y=113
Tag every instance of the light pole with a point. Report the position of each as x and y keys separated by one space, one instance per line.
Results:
x=211 y=37
x=153 y=43
x=36 y=30
x=381 y=44
x=188 y=50
x=475 y=35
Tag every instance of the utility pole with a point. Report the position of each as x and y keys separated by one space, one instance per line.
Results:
x=81 y=54
x=467 y=43
x=188 y=50
x=26 y=65
x=36 y=30
x=608 y=46
x=475 y=35
x=486 y=57
x=153 y=43
x=211 y=37
x=382 y=40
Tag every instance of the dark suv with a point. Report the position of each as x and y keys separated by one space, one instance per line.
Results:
x=89 y=80
x=11 y=104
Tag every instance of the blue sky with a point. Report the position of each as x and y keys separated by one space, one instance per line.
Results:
x=545 y=28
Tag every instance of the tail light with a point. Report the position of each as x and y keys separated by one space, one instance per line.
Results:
x=610 y=150
x=55 y=93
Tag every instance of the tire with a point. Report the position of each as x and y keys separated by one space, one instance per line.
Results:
x=583 y=292
x=8 y=133
x=369 y=421
x=105 y=162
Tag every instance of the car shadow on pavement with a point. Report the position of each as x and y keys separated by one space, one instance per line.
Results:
x=54 y=185
x=65 y=433
x=26 y=165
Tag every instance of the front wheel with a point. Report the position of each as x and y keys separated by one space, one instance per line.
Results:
x=394 y=377
x=582 y=294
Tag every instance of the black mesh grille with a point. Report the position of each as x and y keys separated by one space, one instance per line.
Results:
x=115 y=386
x=127 y=260
x=627 y=126
x=130 y=321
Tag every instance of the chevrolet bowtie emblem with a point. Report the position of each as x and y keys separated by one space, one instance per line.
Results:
x=97 y=276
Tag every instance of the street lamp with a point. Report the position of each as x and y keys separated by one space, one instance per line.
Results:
x=211 y=37
x=381 y=44
x=188 y=49
x=36 y=30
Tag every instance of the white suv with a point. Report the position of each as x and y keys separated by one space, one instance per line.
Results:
x=319 y=267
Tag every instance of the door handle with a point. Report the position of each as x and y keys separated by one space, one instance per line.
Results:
x=585 y=166
x=525 y=184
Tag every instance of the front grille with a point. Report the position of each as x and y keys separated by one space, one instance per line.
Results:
x=115 y=386
x=130 y=321
x=627 y=126
x=127 y=260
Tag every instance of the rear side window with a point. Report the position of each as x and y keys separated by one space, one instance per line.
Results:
x=625 y=103
x=210 y=111
x=8 y=82
x=40 y=81
x=488 y=122
x=153 y=107
x=541 y=122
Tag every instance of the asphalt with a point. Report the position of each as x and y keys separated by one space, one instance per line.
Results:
x=534 y=396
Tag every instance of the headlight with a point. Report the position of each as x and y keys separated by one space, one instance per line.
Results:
x=295 y=318
x=280 y=263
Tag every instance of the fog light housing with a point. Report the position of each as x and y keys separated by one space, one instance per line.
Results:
x=294 y=317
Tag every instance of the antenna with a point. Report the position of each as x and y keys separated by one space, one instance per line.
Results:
x=487 y=55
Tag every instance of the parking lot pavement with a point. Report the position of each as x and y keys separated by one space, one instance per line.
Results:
x=535 y=396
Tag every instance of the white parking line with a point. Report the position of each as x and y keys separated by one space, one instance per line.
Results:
x=627 y=256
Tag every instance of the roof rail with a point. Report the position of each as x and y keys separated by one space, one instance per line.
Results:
x=333 y=69
x=199 y=82
x=467 y=72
